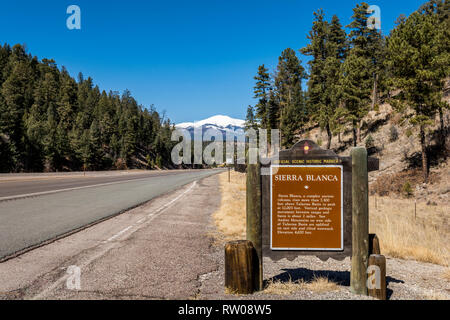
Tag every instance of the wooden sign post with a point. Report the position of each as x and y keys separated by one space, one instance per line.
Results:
x=312 y=202
x=306 y=204
x=254 y=221
x=360 y=221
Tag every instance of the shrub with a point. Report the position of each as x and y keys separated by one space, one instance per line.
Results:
x=409 y=133
x=319 y=142
x=369 y=142
x=407 y=189
x=393 y=134
x=159 y=161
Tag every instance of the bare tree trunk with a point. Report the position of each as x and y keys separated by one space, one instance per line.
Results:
x=375 y=91
x=330 y=136
x=339 y=137
x=443 y=132
x=424 y=154
x=355 y=135
x=358 y=133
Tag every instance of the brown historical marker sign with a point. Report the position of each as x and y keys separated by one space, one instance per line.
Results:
x=306 y=203
x=307 y=207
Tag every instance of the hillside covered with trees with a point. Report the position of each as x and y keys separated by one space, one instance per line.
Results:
x=353 y=70
x=52 y=122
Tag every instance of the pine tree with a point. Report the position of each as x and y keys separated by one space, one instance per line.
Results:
x=354 y=90
x=359 y=69
x=337 y=45
x=261 y=92
x=441 y=9
x=67 y=105
x=368 y=43
x=95 y=144
x=53 y=159
x=336 y=54
x=5 y=52
x=41 y=119
x=290 y=99
x=250 y=122
x=318 y=52
x=294 y=116
x=419 y=60
x=273 y=112
x=327 y=48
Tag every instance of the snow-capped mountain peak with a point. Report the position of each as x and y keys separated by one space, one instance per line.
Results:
x=219 y=121
x=222 y=123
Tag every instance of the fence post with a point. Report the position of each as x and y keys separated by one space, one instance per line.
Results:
x=374 y=244
x=360 y=221
x=254 y=222
x=378 y=290
x=239 y=267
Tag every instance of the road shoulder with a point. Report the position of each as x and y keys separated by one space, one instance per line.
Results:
x=157 y=251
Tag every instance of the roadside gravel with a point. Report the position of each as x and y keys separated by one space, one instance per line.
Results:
x=406 y=279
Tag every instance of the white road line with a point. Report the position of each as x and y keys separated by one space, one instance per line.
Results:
x=118 y=234
x=68 y=189
x=168 y=204
x=64 y=278
x=154 y=214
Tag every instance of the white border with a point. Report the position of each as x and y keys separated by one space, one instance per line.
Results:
x=342 y=208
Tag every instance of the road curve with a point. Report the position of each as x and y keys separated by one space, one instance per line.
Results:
x=70 y=203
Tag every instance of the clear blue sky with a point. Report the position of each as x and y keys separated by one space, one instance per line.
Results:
x=193 y=59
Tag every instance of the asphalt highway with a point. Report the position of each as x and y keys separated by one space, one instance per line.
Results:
x=35 y=210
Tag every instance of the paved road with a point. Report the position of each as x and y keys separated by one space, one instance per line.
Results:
x=160 y=250
x=29 y=221
x=20 y=185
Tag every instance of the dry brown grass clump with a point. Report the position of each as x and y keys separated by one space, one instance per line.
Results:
x=318 y=285
x=425 y=238
x=321 y=284
x=230 y=218
x=283 y=287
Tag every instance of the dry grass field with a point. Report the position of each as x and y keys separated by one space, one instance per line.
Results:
x=422 y=234
x=230 y=218
x=422 y=237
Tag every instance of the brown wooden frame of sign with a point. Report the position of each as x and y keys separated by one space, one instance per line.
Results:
x=313 y=156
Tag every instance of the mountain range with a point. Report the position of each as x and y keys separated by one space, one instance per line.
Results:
x=220 y=122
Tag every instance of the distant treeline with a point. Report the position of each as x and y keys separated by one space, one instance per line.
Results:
x=351 y=74
x=51 y=122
